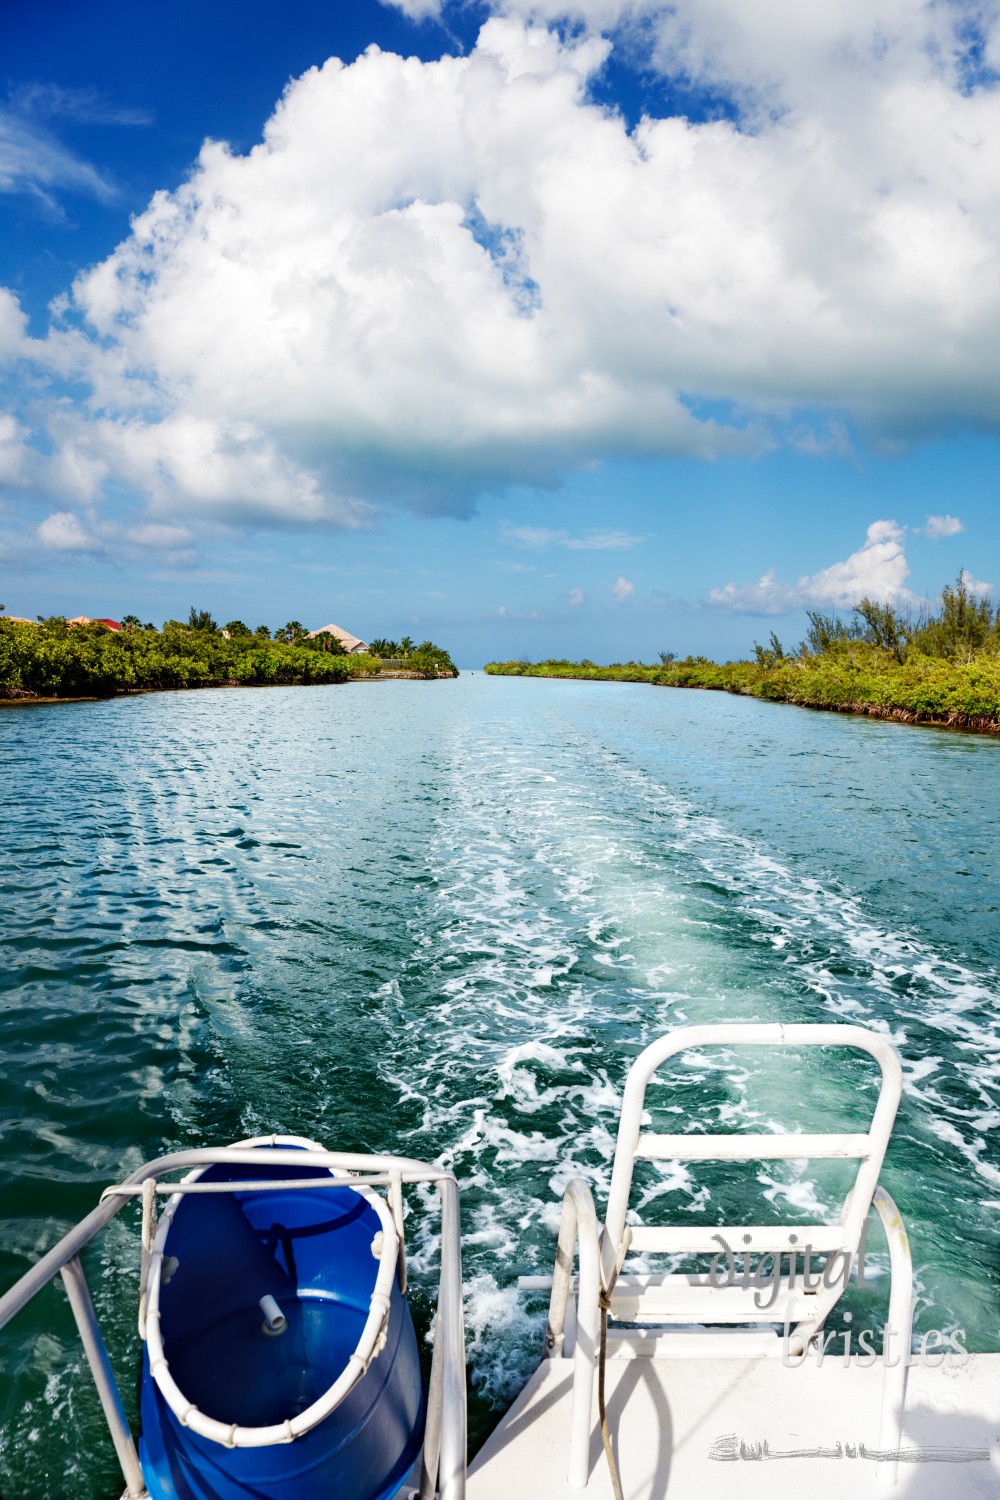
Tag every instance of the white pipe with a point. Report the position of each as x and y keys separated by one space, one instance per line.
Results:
x=100 y=1366
x=451 y=1312
x=274 y=1319
x=577 y=1225
x=898 y=1333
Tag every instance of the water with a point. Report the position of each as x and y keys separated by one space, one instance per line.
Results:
x=443 y=918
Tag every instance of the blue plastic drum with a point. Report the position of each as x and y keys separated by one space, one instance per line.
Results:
x=313 y=1253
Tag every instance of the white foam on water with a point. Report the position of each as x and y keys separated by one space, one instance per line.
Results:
x=503 y=1337
x=561 y=936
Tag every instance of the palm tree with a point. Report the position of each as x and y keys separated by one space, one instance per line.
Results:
x=406 y=644
x=327 y=641
x=291 y=633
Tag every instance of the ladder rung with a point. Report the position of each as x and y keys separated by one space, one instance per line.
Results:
x=698 y=1239
x=672 y=1299
x=741 y=1341
x=750 y=1147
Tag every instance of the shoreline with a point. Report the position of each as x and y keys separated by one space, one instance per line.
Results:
x=22 y=698
x=967 y=723
x=951 y=719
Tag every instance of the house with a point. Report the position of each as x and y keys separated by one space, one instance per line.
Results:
x=351 y=644
x=18 y=620
x=86 y=620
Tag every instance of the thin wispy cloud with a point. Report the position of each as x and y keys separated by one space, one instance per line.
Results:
x=87 y=106
x=540 y=538
x=160 y=537
x=33 y=158
x=33 y=161
x=603 y=541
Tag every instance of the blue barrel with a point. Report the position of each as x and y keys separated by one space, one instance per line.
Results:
x=311 y=1252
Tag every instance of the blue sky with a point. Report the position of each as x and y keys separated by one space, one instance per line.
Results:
x=593 y=328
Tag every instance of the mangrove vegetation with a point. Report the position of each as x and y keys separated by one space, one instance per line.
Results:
x=937 y=668
x=52 y=658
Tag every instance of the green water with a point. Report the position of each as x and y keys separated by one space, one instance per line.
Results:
x=443 y=918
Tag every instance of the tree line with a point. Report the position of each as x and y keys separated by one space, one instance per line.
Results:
x=53 y=659
x=939 y=667
x=966 y=624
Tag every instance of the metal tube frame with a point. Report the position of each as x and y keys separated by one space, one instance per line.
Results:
x=445 y=1430
x=95 y=1349
x=899 y=1326
x=727 y=1145
x=599 y=1249
x=577 y=1226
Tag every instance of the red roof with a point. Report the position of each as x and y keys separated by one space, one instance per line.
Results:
x=111 y=624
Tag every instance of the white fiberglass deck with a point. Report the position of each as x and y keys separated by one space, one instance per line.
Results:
x=667 y=1415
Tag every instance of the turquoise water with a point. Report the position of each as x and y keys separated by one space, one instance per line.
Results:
x=443 y=918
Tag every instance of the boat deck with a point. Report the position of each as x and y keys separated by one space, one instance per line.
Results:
x=677 y=1426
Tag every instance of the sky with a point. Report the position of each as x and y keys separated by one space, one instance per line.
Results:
x=537 y=327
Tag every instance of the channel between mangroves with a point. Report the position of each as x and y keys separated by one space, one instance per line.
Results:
x=931 y=692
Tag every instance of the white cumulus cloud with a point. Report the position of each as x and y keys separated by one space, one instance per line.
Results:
x=768 y=596
x=431 y=279
x=13 y=325
x=623 y=589
x=417 y=10
x=64 y=532
x=15 y=456
x=939 y=526
x=975 y=585
x=576 y=597
x=878 y=570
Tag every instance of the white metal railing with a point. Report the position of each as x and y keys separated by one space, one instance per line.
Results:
x=574 y=1315
x=577 y=1227
x=691 y=1303
x=443 y=1465
x=868 y=1148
